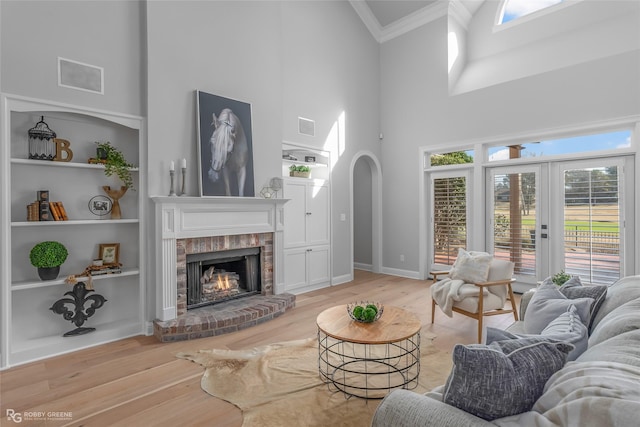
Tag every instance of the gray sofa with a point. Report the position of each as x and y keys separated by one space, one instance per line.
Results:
x=600 y=388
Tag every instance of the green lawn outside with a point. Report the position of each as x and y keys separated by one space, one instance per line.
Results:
x=601 y=226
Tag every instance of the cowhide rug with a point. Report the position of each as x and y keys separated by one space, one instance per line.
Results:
x=279 y=385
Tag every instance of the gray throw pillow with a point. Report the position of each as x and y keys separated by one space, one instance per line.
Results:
x=565 y=328
x=573 y=288
x=503 y=378
x=547 y=303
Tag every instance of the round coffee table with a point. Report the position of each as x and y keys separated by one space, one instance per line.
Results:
x=368 y=359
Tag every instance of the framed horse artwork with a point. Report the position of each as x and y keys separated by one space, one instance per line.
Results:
x=225 y=150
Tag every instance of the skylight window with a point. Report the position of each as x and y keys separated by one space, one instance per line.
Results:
x=514 y=9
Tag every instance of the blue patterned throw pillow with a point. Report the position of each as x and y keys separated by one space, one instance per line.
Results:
x=503 y=378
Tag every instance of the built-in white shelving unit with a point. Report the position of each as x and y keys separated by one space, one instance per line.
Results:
x=29 y=330
x=307 y=219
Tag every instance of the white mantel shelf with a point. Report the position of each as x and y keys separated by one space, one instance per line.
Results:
x=192 y=217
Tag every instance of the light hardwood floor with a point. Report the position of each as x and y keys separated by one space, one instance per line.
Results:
x=139 y=381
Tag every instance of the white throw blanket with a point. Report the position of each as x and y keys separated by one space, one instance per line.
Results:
x=447 y=291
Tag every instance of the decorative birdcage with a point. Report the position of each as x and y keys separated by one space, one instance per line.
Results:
x=41 y=142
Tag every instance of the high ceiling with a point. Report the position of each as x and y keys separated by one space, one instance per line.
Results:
x=387 y=19
x=389 y=11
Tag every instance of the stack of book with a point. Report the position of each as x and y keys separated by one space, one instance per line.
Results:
x=96 y=270
x=45 y=210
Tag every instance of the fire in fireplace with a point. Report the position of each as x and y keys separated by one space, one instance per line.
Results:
x=215 y=277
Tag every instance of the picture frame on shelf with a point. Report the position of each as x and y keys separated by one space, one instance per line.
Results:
x=100 y=205
x=109 y=253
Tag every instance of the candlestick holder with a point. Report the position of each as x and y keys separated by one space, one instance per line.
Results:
x=184 y=176
x=171 y=190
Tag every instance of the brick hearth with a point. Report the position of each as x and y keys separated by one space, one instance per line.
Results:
x=223 y=318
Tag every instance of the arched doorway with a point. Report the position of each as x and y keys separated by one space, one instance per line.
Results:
x=366 y=212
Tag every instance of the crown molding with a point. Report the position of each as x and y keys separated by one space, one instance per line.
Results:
x=414 y=20
x=401 y=26
x=368 y=18
x=459 y=12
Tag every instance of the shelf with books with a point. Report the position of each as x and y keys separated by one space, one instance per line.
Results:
x=24 y=302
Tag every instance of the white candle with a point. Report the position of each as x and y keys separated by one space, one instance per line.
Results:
x=184 y=163
x=172 y=166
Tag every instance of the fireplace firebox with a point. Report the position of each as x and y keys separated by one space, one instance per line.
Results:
x=215 y=277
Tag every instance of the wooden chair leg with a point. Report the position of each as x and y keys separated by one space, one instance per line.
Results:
x=433 y=309
x=513 y=302
x=480 y=314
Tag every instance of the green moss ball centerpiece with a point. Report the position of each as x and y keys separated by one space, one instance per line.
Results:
x=365 y=311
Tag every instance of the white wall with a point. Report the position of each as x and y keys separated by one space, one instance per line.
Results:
x=331 y=75
x=312 y=59
x=417 y=110
x=106 y=34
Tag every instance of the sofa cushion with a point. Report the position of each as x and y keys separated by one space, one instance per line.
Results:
x=573 y=289
x=619 y=293
x=567 y=327
x=592 y=394
x=624 y=318
x=503 y=378
x=471 y=267
x=623 y=348
x=547 y=303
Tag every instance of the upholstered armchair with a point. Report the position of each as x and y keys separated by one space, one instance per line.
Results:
x=477 y=285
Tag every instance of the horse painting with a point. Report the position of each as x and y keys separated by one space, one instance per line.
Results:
x=229 y=152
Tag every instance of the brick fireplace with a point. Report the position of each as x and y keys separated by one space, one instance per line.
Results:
x=190 y=227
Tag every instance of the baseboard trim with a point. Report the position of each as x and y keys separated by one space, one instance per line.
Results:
x=339 y=280
x=362 y=266
x=401 y=273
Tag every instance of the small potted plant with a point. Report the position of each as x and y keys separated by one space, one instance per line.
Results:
x=299 y=171
x=560 y=278
x=48 y=257
x=115 y=163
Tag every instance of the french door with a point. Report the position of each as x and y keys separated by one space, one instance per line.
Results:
x=555 y=216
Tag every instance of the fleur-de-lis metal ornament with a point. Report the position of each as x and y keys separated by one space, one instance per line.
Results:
x=78 y=299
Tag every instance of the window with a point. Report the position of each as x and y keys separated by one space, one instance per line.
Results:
x=453 y=158
x=449 y=218
x=572 y=145
x=514 y=9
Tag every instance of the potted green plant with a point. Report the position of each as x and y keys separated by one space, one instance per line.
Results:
x=115 y=163
x=48 y=257
x=560 y=278
x=300 y=171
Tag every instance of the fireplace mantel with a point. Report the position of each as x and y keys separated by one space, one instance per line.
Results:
x=193 y=217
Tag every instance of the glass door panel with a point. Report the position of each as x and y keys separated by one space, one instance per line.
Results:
x=592 y=223
x=514 y=217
